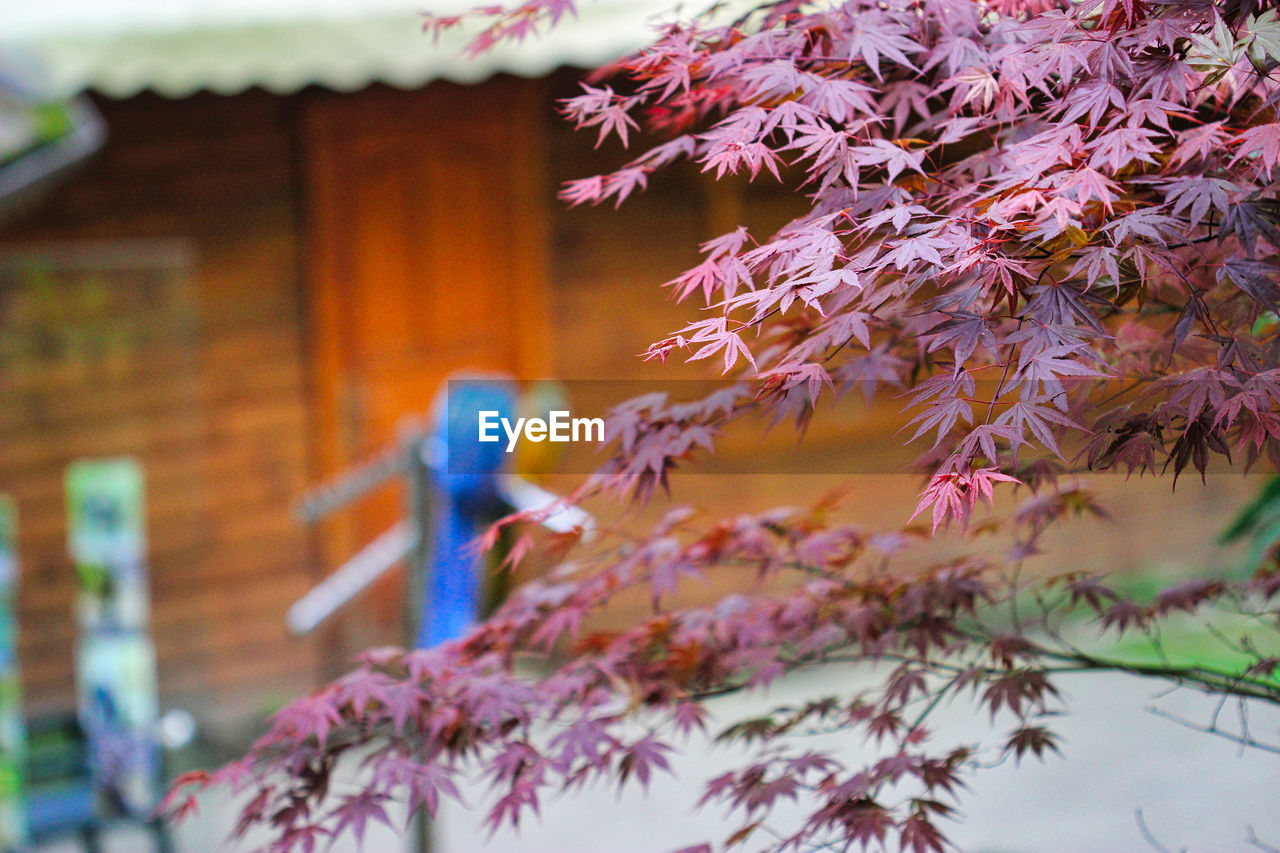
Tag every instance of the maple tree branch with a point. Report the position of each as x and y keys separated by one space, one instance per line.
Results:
x=1207 y=678
x=995 y=398
x=1242 y=738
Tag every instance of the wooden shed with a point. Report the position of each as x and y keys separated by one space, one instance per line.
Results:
x=305 y=216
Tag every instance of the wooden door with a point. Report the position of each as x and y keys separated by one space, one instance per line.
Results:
x=427 y=244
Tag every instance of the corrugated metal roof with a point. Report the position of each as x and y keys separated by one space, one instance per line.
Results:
x=178 y=47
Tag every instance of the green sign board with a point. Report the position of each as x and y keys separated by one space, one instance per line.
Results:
x=106 y=532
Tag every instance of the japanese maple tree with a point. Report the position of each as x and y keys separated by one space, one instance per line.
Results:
x=1053 y=225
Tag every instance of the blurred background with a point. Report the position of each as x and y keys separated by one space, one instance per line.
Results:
x=239 y=243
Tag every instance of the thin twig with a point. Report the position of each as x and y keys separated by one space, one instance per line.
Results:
x=1254 y=841
x=1242 y=739
x=1147 y=835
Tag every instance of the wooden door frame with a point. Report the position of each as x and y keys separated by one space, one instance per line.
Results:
x=324 y=118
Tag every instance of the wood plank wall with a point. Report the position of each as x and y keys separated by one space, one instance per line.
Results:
x=216 y=408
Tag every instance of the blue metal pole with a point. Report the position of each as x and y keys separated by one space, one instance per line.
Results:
x=463 y=499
